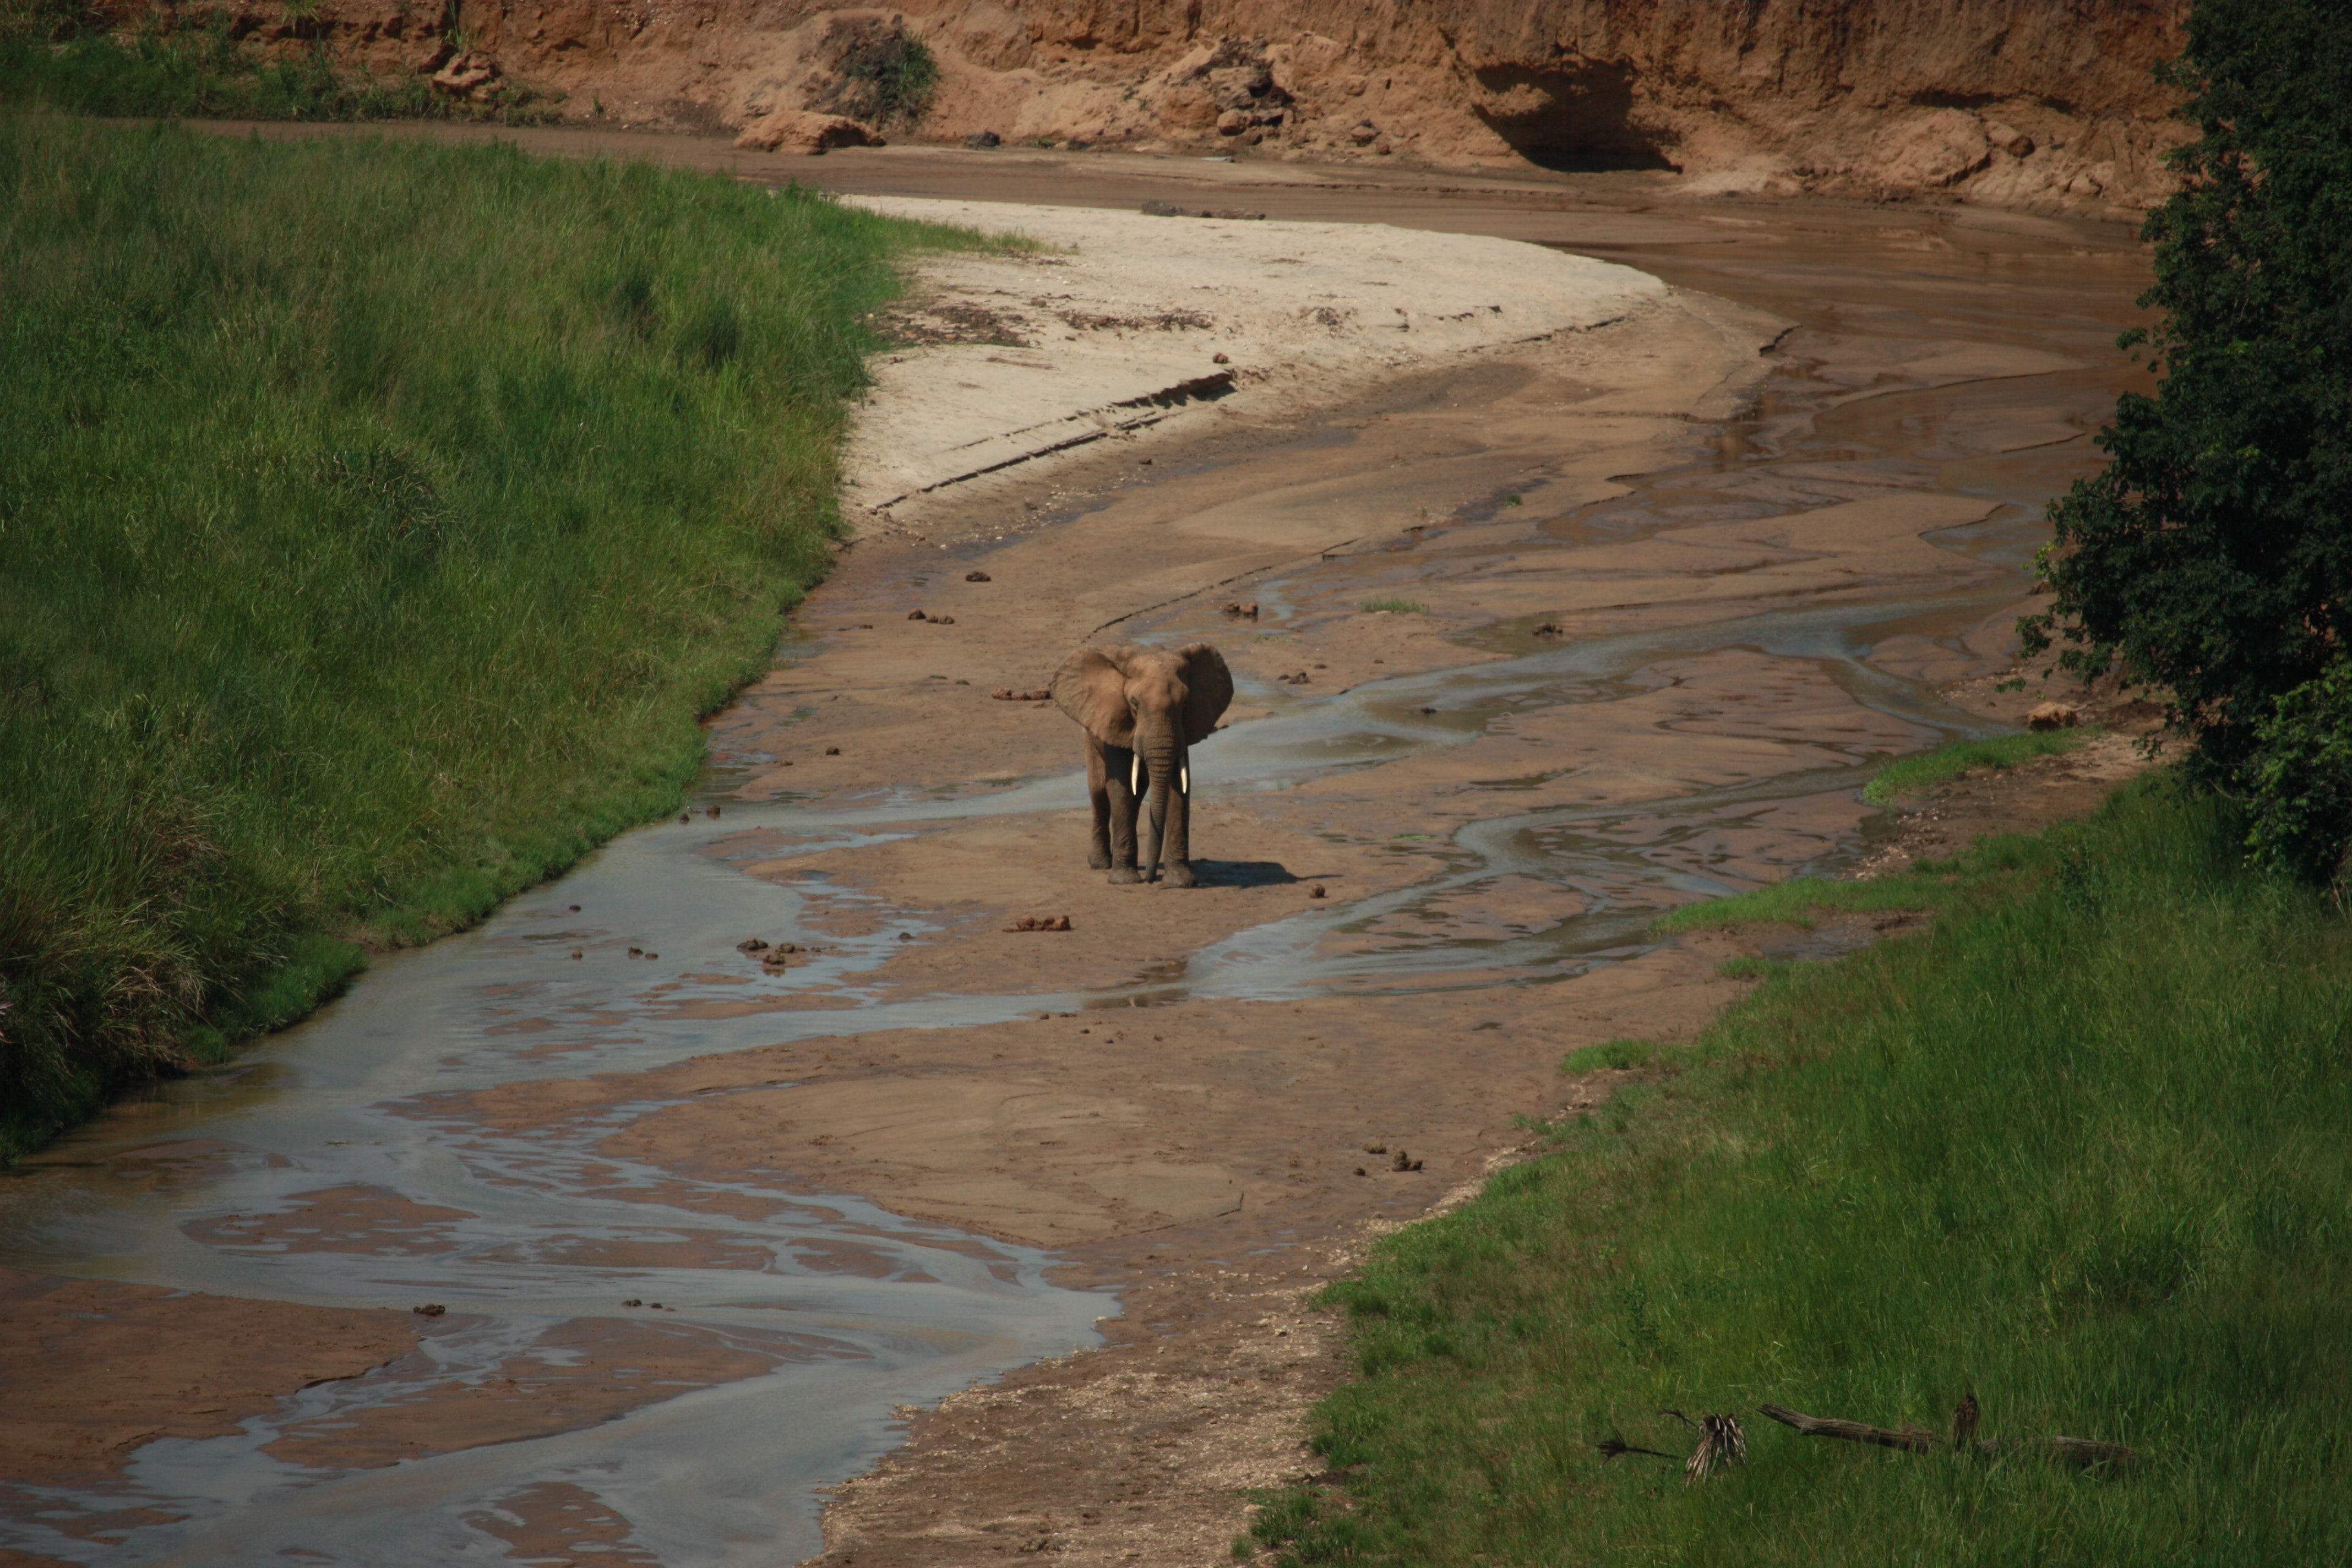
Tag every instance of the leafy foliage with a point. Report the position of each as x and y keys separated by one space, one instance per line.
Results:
x=2213 y=558
x=2301 y=778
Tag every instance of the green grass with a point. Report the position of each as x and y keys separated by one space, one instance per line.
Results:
x=55 y=55
x=1913 y=775
x=2079 y=1149
x=1393 y=607
x=375 y=522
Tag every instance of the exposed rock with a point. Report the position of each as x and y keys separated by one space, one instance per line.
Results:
x=1934 y=150
x=799 y=130
x=2053 y=716
x=1853 y=98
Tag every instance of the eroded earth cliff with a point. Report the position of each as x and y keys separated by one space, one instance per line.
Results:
x=2040 y=103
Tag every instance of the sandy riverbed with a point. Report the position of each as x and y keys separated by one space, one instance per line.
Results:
x=1758 y=566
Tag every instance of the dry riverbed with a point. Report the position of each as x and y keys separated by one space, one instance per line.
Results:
x=1678 y=569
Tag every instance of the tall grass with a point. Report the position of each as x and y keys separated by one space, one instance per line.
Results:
x=188 y=65
x=1923 y=770
x=375 y=520
x=2078 y=1150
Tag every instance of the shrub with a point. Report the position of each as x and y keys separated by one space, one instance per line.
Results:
x=2213 y=558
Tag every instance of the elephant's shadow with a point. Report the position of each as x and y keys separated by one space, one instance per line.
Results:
x=1244 y=873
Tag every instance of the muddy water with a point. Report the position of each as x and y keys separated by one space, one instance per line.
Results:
x=328 y=1166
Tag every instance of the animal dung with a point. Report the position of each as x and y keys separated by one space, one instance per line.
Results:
x=1316 y=892
x=684 y=817
x=833 y=750
x=1429 y=710
x=632 y=1302
x=916 y=615
x=575 y=908
x=712 y=811
x=1376 y=1148
x=1239 y=610
x=1359 y=1170
x=1550 y=629
x=1404 y=1162
x=636 y=952
x=977 y=577
x=1296 y=677
x=1220 y=359
x=1041 y=923
x=906 y=936
x=1006 y=694
x=431 y=1309
x=575 y=952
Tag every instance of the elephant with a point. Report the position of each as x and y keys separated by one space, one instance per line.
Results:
x=1143 y=708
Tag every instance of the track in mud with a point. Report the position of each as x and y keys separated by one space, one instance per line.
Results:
x=340 y=1162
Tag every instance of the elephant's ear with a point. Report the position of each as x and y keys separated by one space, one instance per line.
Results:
x=1211 y=687
x=1091 y=688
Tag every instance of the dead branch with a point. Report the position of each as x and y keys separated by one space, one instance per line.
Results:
x=1912 y=1440
x=2082 y=1452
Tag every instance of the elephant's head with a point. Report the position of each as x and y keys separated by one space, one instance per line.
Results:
x=1157 y=702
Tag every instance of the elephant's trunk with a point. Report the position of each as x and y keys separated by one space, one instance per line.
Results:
x=1160 y=759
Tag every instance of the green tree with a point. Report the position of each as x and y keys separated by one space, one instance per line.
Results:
x=2212 y=557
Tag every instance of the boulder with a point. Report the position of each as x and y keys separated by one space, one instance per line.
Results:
x=2009 y=139
x=466 y=73
x=2053 y=716
x=1934 y=150
x=980 y=141
x=798 y=131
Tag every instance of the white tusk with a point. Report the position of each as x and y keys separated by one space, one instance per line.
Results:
x=1134 y=774
x=1185 y=779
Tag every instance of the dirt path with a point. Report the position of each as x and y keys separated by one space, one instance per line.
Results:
x=1681 y=578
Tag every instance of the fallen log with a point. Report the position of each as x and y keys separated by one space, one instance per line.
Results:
x=1912 y=1440
x=2082 y=1452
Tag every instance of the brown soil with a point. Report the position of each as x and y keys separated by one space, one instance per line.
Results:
x=91 y=1369
x=2046 y=103
x=1212 y=1159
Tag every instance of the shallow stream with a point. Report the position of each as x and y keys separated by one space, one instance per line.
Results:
x=795 y=1321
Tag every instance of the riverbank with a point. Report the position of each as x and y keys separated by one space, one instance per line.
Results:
x=1658 y=644
x=2043 y=1194
x=346 y=598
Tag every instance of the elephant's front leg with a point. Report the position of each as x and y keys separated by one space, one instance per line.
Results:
x=1176 y=845
x=1124 y=802
x=1098 y=796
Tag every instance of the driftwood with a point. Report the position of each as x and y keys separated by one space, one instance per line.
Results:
x=1913 y=1440
x=1721 y=1442
x=2082 y=1452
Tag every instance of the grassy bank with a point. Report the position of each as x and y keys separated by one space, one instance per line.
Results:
x=375 y=520
x=2078 y=1150
x=188 y=66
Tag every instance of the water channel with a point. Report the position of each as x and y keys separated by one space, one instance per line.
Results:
x=798 y=1320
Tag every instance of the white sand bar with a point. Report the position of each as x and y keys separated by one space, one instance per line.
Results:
x=1117 y=324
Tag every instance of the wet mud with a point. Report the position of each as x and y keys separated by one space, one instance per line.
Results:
x=703 y=1227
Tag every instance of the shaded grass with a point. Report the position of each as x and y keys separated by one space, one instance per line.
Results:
x=1393 y=607
x=54 y=55
x=1911 y=776
x=375 y=522
x=2078 y=1150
